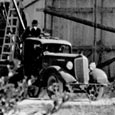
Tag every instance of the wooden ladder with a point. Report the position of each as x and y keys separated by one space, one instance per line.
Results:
x=11 y=33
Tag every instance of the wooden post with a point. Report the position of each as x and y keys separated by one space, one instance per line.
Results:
x=95 y=30
x=101 y=34
x=53 y=1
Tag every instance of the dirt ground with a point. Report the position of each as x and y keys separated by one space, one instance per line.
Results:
x=78 y=107
x=79 y=104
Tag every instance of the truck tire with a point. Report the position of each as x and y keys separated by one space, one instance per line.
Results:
x=54 y=85
x=95 y=92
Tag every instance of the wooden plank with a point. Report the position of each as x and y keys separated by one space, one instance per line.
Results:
x=85 y=10
x=101 y=49
x=31 y=3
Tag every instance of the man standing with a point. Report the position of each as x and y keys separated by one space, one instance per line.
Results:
x=35 y=31
x=32 y=31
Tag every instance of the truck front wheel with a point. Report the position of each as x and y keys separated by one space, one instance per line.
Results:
x=54 y=85
x=95 y=92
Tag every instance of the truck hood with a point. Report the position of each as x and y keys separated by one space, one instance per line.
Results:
x=62 y=54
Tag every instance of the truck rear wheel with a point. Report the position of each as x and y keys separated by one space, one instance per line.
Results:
x=95 y=92
x=54 y=85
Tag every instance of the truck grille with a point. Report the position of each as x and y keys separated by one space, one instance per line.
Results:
x=81 y=69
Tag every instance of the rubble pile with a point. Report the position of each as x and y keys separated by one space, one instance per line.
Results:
x=10 y=95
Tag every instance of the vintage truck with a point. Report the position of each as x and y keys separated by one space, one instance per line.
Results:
x=59 y=70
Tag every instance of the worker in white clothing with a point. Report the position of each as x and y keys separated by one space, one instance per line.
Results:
x=98 y=74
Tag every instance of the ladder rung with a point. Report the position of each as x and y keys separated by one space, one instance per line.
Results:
x=6 y=35
x=9 y=35
x=2 y=60
x=12 y=9
x=12 y=17
x=11 y=26
x=7 y=44
x=6 y=53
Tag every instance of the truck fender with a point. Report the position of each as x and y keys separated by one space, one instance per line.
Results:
x=99 y=76
x=68 y=78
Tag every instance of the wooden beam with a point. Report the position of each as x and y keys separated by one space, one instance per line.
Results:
x=68 y=16
x=31 y=3
x=85 y=10
x=82 y=47
x=98 y=48
x=19 y=14
x=106 y=63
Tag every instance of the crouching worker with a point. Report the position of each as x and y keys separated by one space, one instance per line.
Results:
x=33 y=89
x=98 y=75
x=15 y=74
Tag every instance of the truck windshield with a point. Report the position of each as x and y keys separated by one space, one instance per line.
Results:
x=56 y=48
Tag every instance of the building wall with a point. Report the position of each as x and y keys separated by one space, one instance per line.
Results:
x=83 y=37
x=34 y=11
x=96 y=44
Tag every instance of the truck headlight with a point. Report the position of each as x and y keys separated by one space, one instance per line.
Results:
x=69 y=65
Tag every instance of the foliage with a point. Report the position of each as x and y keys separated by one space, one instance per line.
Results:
x=10 y=95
